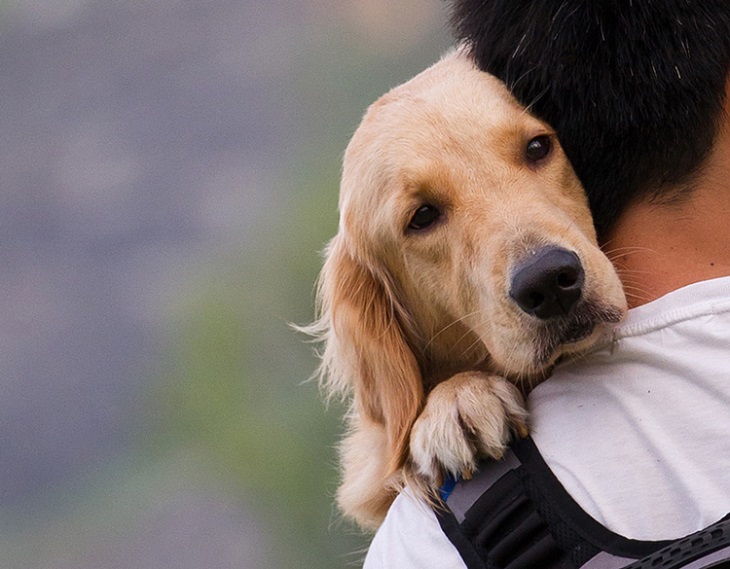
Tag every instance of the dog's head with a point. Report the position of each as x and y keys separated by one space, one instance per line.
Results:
x=465 y=241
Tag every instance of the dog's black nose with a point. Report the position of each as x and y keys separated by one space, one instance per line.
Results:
x=549 y=283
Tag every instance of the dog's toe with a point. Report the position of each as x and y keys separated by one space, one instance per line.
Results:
x=468 y=416
x=440 y=445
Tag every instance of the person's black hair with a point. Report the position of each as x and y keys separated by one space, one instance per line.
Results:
x=634 y=88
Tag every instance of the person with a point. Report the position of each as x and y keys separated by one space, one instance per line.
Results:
x=638 y=431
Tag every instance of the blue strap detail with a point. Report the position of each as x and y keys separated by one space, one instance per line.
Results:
x=448 y=486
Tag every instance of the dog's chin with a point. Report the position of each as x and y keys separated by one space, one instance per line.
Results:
x=585 y=326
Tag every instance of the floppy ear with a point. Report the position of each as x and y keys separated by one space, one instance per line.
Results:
x=366 y=352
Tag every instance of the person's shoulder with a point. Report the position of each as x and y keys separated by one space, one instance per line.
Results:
x=411 y=538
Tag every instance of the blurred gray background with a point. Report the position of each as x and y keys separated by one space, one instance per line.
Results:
x=168 y=174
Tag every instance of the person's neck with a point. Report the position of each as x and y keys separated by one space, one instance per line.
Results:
x=659 y=248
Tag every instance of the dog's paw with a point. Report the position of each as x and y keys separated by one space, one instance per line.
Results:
x=470 y=415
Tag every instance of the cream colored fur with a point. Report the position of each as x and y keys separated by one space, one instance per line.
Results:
x=419 y=332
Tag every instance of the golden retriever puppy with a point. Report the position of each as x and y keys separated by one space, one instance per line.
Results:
x=465 y=264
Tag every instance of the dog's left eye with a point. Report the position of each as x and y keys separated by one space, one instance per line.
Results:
x=424 y=217
x=538 y=148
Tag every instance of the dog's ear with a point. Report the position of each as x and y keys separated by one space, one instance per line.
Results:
x=366 y=351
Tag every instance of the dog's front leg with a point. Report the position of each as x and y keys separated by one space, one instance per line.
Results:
x=472 y=414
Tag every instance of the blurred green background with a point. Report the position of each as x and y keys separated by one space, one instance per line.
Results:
x=169 y=174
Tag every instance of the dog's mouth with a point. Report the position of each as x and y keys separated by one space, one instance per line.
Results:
x=575 y=332
x=578 y=325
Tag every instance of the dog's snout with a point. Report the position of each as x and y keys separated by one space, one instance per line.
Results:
x=548 y=284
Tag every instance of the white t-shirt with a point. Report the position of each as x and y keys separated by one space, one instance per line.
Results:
x=638 y=431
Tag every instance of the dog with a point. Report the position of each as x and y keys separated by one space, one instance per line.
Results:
x=464 y=267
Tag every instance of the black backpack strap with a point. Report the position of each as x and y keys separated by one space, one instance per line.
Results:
x=514 y=514
x=707 y=548
x=496 y=522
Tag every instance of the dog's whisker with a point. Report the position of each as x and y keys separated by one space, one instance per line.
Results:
x=465 y=352
x=631 y=286
x=606 y=247
x=477 y=341
x=629 y=283
x=450 y=325
x=637 y=292
x=470 y=347
x=624 y=253
x=509 y=362
x=641 y=296
x=634 y=281
x=627 y=250
x=625 y=273
x=580 y=357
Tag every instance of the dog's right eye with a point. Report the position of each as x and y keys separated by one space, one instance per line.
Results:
x=424 y=217
x=538 y=148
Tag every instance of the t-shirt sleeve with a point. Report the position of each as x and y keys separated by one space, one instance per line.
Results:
x=411 y=538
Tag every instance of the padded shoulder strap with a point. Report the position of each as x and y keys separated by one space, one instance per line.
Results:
x=707 y=548
x=514 y=514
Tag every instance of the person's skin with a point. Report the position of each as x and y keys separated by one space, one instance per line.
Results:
x=660 y=247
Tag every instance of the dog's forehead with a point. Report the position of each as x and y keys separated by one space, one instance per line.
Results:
x=452 y=96
x=450 y=110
